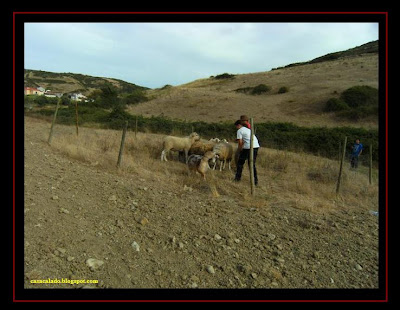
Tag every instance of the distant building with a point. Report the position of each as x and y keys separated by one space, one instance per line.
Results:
x=51 y=94
x=77 y=97
x=33 y=91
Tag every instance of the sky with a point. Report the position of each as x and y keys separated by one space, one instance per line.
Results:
x=156 y=54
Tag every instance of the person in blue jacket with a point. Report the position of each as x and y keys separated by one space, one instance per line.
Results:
x=356 y=152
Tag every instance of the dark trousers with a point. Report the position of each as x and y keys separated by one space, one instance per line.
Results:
x=354 y=161
x=243 y=156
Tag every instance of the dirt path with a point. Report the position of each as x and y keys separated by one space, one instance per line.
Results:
x=147 y=234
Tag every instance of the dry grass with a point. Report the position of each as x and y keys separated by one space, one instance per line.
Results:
x=292 y=179
x=310 y=86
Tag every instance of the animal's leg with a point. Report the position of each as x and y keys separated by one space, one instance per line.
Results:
x=186 y=156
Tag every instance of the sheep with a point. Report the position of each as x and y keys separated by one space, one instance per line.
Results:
x=178 y=144
x=224 y=150
x=201 y=147
x=199 y=163
x=216 y=140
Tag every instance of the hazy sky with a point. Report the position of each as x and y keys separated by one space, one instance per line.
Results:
x=156 y=54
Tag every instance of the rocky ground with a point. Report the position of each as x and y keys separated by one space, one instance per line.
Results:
x=132 y=231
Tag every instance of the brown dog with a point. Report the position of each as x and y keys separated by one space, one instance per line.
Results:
x=199 y=163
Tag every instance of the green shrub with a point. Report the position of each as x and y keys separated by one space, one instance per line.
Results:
x=260 y=89
x=359 y=96
x=257 y=90
x=224 y=76
x=283 y=90
x=355 y=103
x=135 y=97
x=335 y=104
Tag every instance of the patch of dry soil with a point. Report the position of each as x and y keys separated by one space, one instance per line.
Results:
x=140 y=233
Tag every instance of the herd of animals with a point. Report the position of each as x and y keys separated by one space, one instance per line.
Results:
x=198 y=154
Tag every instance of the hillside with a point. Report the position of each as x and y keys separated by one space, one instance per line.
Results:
x=73 y=82
x=309 y=86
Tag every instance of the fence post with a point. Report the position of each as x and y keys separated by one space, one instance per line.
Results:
x=121 y=149
x=370 y=164
x=251 y=159
x=76 y=117
x=341 y=165
x=54 y=120
x=136 y=126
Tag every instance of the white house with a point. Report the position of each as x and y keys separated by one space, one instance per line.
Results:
x=77 y=97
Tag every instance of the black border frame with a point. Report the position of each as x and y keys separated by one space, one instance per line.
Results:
x=245 y=295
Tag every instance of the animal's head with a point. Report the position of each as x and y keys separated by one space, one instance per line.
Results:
x=213 y=157
x=195 y=136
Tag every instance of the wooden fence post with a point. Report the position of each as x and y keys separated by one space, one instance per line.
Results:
x=76 y=117
x=341 y=166
x=53 y=122
x=121 y=149
x=251 y=158
x=136 y=126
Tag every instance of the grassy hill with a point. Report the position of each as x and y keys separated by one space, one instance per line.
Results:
x=308 y=86
x=73 y=82
x=297 y=93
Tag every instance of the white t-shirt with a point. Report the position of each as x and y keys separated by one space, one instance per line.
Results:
x=244 y=134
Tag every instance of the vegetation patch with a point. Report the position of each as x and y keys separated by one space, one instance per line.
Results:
x=257 y=90
x=283 y=90
x=355 y=103
x=224 y=76
x=321 y=141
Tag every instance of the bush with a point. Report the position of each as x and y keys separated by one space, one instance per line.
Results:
x=359 y=96
x=355 y=103
x=260 y=89
x=335 y=104
x=135 y=97
x=283 y=90
x=257 y=90
x=224 y=76
x=41 y=100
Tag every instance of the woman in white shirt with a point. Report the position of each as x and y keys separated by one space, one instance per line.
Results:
x=243 y=137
